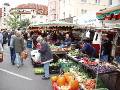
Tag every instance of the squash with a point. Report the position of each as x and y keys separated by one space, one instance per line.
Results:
x=68 y=77
x=54 y=79
x=61 y=80
x=74 y=85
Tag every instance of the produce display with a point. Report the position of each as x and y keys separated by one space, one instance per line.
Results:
x=65 y=82
x=74 y=71
x=93 y=65
x=102 y=68
x=57 y=48
x=54 y=68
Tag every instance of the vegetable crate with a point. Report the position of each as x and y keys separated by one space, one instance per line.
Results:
x=56 y=87
x=38 y=70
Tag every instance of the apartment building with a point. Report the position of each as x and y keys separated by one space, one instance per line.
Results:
x=53 y=10
x=65 y=10
x=36 y=13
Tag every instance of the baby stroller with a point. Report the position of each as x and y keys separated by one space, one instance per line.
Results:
x=36 y=58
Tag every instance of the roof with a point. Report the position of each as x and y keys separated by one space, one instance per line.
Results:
x=0 y=12
x=40 y=9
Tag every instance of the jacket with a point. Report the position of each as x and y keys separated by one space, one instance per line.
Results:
x=18 y=44
x=46 y=54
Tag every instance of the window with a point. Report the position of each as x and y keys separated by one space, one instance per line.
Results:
x=4 y=14
x=64 y=15
x=4 y=9
x=97 y=1
x=110 y=2
x=54 y=16
x=83 y=11
x=83 y=0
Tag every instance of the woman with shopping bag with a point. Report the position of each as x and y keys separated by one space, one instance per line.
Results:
x=46 y=55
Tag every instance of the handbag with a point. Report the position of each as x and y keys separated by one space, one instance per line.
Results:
x=24 y=55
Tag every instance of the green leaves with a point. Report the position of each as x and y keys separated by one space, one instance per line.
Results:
x=15 y=21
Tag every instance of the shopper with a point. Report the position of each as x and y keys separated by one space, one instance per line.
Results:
x=18 y=44
x=1 y=41
x=12 y=48
x=46 y=56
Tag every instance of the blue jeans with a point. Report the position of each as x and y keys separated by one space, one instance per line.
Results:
x=13 y=55
x=46 y=69
x=18 y=59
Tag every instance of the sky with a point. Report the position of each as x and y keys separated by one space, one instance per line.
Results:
x=14 y=3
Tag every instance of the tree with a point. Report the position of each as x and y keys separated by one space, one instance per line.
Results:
x=13 y=21
x=24 y=23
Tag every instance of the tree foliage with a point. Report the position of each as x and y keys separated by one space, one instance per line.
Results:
x=13 y=21
x=24 y=23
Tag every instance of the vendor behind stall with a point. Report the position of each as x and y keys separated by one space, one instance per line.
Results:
x=106 y=49
x=87 y=48
x=66 y=42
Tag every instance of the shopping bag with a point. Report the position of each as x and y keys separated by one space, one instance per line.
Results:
x=1 y=57
x=36 y=56
x=24 y=55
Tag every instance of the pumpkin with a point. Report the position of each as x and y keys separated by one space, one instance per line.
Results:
x=54 y=79
x=68 y=77
x=61 y=80
x=74 y=85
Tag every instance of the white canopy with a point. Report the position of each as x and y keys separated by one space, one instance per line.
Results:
x=88 y=19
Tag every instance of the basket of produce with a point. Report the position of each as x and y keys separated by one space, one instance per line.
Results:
x=64 y=82
x=39 y=71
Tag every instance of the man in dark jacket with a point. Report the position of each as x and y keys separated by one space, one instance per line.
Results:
x=46 y=55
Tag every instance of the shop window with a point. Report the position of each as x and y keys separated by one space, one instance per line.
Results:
x=110 y=2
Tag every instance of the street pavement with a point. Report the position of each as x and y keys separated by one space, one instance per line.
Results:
x=23 y=78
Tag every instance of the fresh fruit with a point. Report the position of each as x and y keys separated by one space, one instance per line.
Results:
x=90 y=84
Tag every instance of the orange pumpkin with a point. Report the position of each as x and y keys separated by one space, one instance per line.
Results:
x=74 y=85
x=54 y=78
x=61 y=80
x=68 y=77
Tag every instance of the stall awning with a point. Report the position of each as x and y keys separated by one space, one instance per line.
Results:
x=109 y=13
x=54 y=24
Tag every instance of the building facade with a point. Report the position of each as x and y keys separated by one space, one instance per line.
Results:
x=5 y=15
x=36 y=13
x=53 y=10
x=65 y=10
